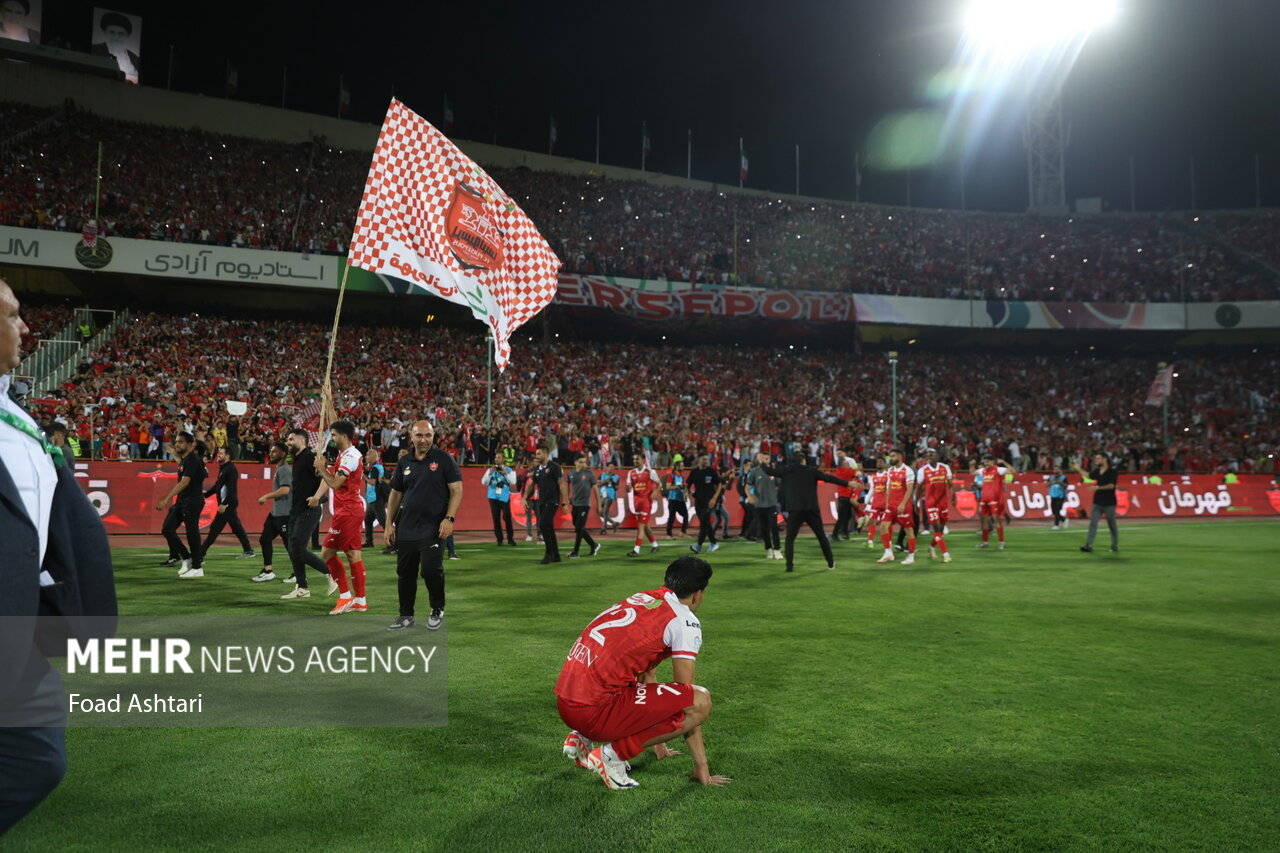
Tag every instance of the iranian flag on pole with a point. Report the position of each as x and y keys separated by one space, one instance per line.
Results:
x=432 y=217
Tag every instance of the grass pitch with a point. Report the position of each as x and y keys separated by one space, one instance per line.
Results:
x=1032 y=699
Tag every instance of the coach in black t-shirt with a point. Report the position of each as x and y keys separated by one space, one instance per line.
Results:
x=426 y=491
x=189 y=491
x=553 y=493
x=1104 y=500
x=705 y=484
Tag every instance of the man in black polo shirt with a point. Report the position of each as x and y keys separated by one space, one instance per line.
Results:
x=304 y=516
x=426 y=492
x=553 y=493
x=189 y=491
x=705 y=484
x=227 y=488
x=1104 y=500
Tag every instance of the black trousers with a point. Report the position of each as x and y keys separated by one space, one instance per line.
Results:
x=682 y=508
x=1056 y=505
x=275 y=526
x=376 y=511
x=547 y=528
x=580 y=528
x=220 y=521
x=423 y=557
x=184 y=513
x=500 y=511
x=33 y=752
x=844 y=513
x=813 y=518
x=304 y=524
x=767 y=522
x=750 y=523
x=705 y=528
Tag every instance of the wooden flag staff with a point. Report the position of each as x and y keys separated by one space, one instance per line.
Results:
x=327 y=413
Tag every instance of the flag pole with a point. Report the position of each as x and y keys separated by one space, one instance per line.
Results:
x=688 y=163
x=97 y=195
x=326 y=390
x=644 y=134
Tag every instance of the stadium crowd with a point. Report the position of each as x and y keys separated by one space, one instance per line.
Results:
x=188 y=185
x=615 y=400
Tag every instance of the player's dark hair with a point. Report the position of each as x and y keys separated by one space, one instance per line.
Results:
x=281 y=446
x=187 y=437
x=687 y=575
x=306 y=439
x=346 y=428
x=55 y=429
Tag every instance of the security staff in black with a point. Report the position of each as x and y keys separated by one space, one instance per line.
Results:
x=426 y=491
x=189 y=491
x=800 y=497
x=227 y=488
x=553 y=493
x=304 y=519
x=705 y=484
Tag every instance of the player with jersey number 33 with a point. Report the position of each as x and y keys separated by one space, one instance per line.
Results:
x=608 y=691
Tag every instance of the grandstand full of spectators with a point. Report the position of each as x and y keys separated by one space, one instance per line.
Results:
x=187 y=185
x=160 y=373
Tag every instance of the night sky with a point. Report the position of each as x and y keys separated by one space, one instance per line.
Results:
x=1171 y=80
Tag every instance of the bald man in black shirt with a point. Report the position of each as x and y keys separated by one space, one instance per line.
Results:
x=800 y=497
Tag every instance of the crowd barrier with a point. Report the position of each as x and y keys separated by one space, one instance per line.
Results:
x=126 y=493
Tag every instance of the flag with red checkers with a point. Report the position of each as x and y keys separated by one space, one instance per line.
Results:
x=432 y=217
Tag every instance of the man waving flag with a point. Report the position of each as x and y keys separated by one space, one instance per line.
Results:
x=435 y=219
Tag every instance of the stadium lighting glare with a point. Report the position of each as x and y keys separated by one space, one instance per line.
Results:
x=1019 y=23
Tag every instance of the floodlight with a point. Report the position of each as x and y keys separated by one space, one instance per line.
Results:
x=1017 y=24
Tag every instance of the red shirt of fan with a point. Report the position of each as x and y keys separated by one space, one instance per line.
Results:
x=348 y=499
x=899 y=477
x=879 y=485
x=936 y=480
x=642 y=484
x=993 y=482
x=626 y=640
x=844 y=472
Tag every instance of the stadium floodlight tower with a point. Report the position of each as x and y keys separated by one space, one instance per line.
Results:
x=1033 y=44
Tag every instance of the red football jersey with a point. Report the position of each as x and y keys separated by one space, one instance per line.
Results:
x=899 y=477
x=993 y=482
x=642 y=483
x=629 y=638
x=879 y=483
x=936 y=480
x=348 y=500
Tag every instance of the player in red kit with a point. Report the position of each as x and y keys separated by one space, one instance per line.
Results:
x=608 y=690
x=991 y=503
x=346 y=481
x=643 y=486
x=879 y=490
x=901 y=487
x=934 y=477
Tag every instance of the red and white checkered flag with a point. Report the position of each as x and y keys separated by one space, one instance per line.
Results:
x=434 y=218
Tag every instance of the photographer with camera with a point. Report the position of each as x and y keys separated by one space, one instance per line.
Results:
x=499 y=479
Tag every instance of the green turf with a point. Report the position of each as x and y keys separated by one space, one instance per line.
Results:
x=1031 y=699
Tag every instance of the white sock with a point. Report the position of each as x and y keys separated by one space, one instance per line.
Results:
x=342 y=596
x=888 y=552
x=360 y=600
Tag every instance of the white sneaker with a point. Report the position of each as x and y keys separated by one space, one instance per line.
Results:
x=1066 y=522
x=911 y=558
x=653 y=549
x=290 y=579
x=612 y=770
x=333 y=585
x=184 y=567
x=946 y=558
x=577 y=748
x=194 y=573
x=297 y=592
x=1000 y=547
x=263 y=576
x=982 y=544
x=528 y=538
x=887 y=558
